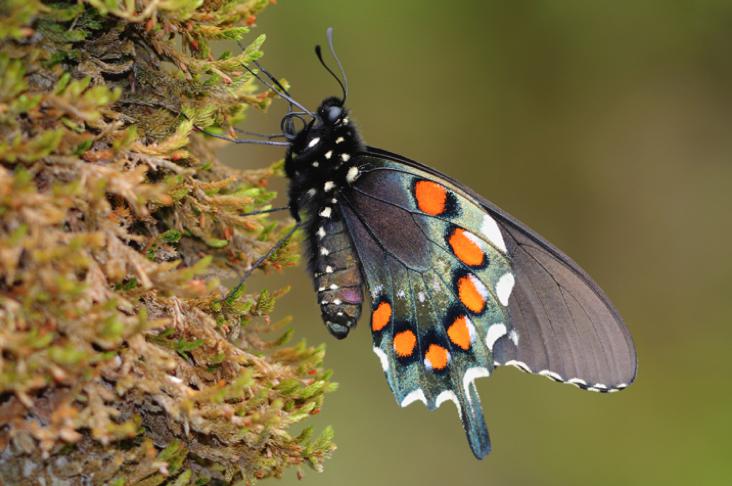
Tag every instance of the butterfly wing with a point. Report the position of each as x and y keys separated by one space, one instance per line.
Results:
x=568 y=329
x=428 y=343
x=458 y=286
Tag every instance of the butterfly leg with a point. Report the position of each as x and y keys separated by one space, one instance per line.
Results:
x=236 y=289
x=266 y=211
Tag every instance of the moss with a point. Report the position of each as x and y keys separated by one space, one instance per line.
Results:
x=119 y=361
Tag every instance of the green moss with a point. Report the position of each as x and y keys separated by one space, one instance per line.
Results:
x=117 y=227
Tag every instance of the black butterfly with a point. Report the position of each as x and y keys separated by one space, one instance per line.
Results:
x=457 y=286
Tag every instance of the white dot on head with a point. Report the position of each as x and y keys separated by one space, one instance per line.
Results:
x=313 y=142
x=328 y=186
x=325 y=212
x=352 y=174
x=345 y=121
x=328 y=154
x=345 y=157
x=321 y=232
x=328 y=269
x=340 y=140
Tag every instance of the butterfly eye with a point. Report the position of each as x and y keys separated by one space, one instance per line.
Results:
x=334 y=113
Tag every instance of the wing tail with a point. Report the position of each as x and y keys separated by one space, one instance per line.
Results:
x=471 y=414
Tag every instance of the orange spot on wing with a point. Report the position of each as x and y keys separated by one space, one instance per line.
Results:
x=404 y=343
x=431 y=197
x=465 y=248
x=380 y=317
x=437 y=357
x=469 y=294
x=459 y=333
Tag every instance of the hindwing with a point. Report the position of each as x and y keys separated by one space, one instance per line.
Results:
x=458 y=287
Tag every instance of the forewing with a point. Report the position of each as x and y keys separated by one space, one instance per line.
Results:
x=560 y=324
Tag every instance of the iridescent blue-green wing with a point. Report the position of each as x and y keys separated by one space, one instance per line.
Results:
x=560 y=323
x=428 y=343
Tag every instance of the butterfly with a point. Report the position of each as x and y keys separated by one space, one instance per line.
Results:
x=457 y=286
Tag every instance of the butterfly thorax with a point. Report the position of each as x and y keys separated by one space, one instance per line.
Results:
x=321 y=165
x=319 y=158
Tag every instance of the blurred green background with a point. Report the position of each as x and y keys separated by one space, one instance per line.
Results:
x=606 y=126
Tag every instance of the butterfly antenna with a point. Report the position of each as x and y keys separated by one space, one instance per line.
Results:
x=243 y=140
x=277 y=91
x=268 y=136
x=282 y=93
x=318 y=52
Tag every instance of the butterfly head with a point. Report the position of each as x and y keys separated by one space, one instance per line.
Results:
x=330 y=132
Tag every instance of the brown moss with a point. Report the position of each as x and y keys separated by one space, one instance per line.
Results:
x=119 y=362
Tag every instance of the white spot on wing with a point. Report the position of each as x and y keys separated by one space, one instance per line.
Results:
x=325 y=212
x=448 y=395
x=333 y=286
x=328 y=154
x=514 y=336
x=340 y=140
x=518 y=364
x=321 y=232
x=551 y=375
x=316 y=164
x=311 y=192
x=490 y=230
x=401 y=294
x=504 y=287
x=328 y=186
x=324 y=251
x=382 y=358
x=471 y=374
x=413 y=396
x=376 y=291
x=328 y=269
x=577 y=382
x=421 y=296
x=345 y=157
x=495 y=332
x=313 y=142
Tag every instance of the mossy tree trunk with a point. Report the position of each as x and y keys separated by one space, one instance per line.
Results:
x=120 y=363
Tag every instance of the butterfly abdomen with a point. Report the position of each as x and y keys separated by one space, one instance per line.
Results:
x=336 y=272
